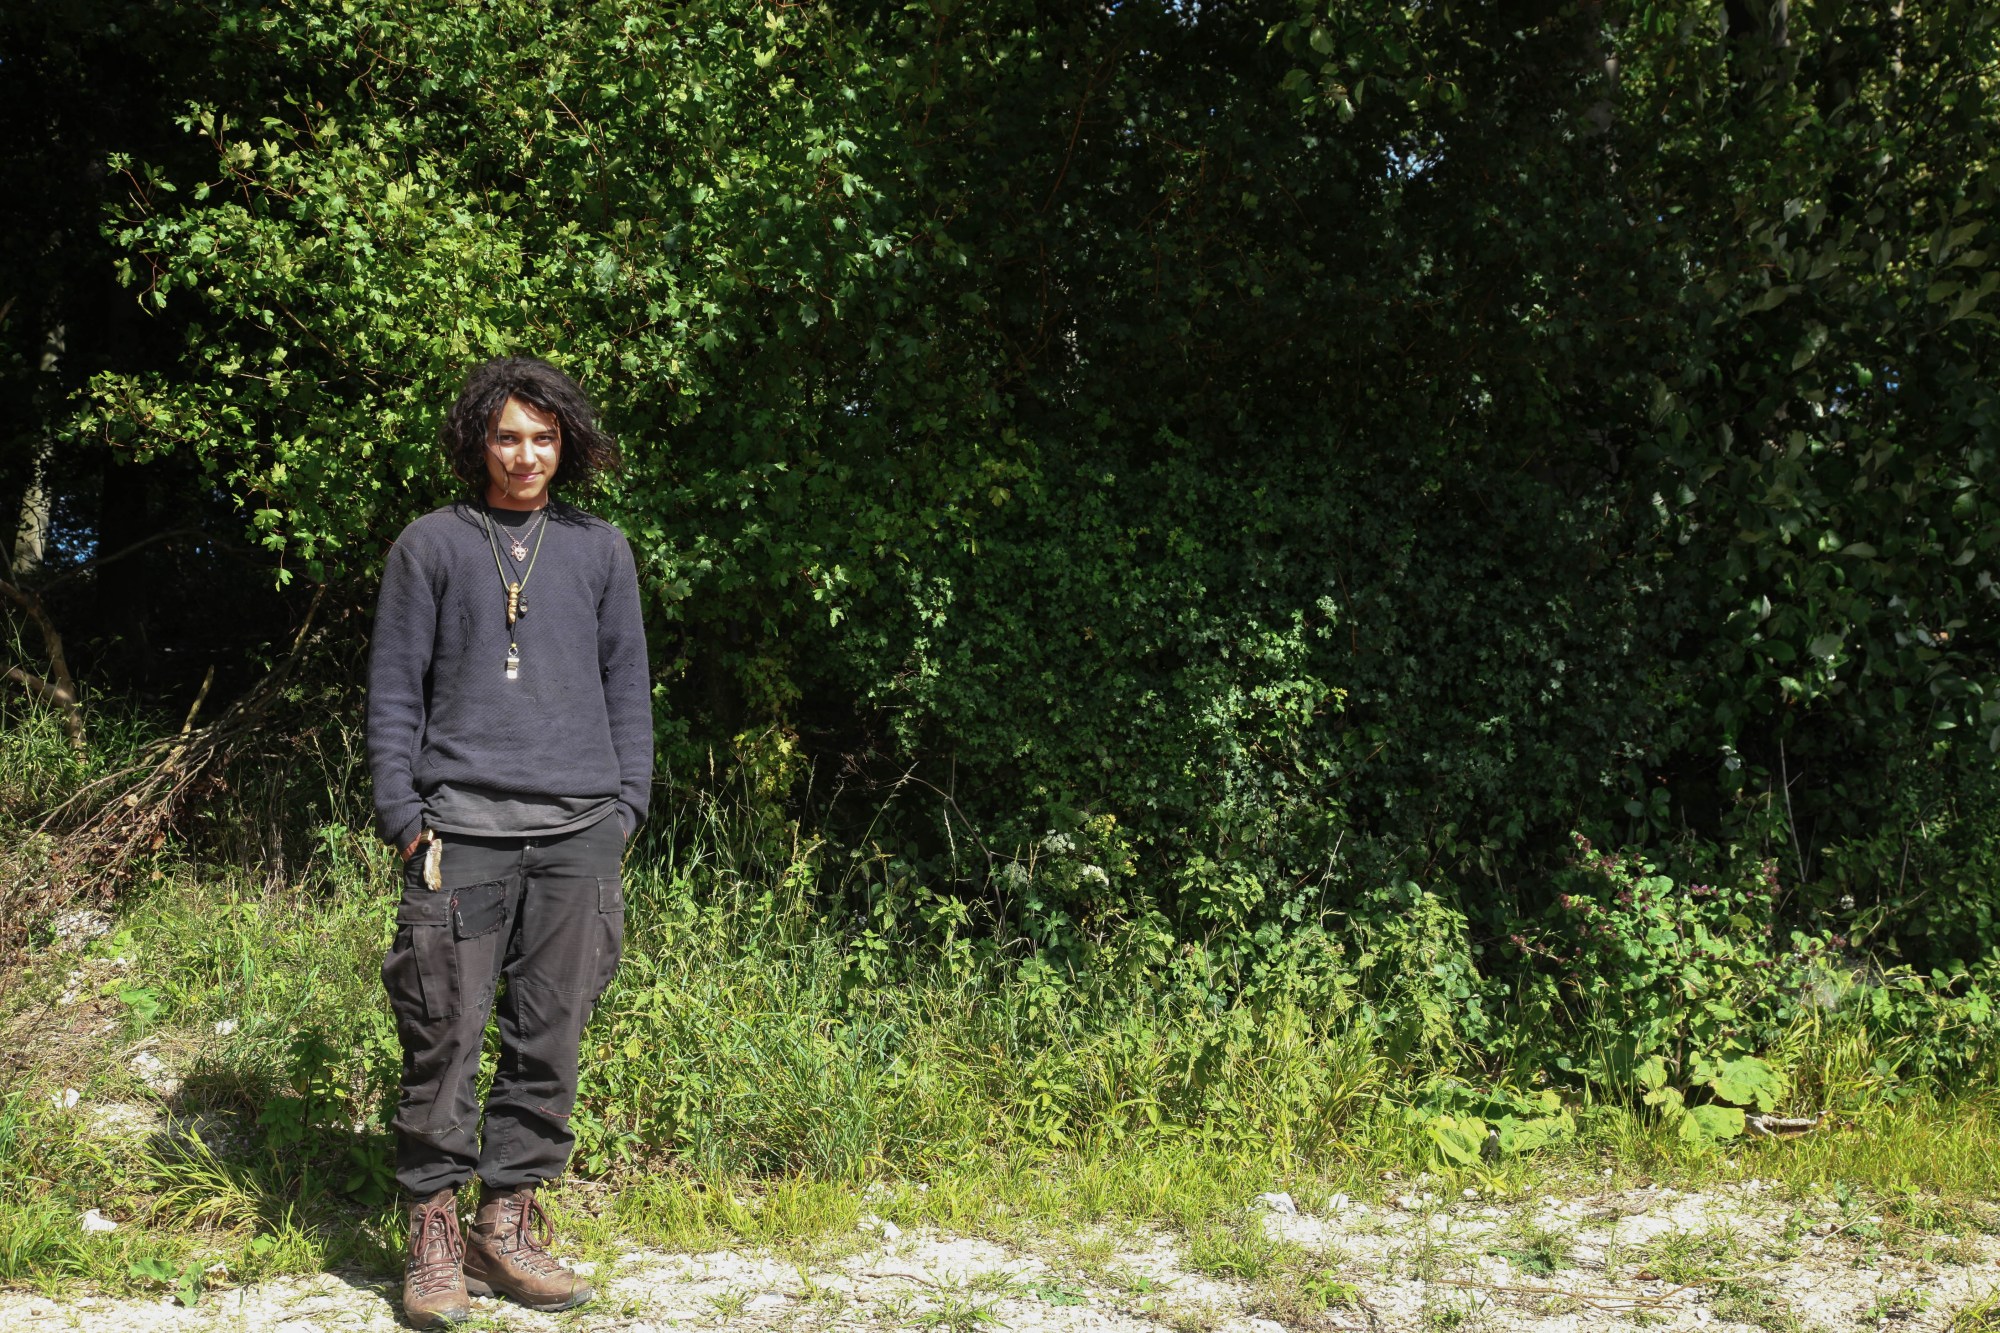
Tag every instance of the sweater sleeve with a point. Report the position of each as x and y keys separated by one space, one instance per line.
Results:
x=628 y=691
x=399 y=658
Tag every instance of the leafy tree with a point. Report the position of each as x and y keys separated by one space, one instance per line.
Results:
x=1216 y=453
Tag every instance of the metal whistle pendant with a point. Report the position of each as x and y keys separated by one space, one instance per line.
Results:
x=513 y=662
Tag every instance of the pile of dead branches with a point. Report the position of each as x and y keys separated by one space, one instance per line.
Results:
x=85 y=846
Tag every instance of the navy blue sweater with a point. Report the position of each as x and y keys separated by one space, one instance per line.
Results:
x=576 y=726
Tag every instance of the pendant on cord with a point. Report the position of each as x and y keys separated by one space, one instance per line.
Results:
x=513 y=662
x=514 y=607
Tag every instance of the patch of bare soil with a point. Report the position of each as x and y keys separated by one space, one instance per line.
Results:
x=1735 y=1258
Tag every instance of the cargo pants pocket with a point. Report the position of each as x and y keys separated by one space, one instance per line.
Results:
x=421 y=970
x=610 y=934
x=424 y=971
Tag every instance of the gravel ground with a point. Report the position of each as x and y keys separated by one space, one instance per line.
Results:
x=1733 y=1258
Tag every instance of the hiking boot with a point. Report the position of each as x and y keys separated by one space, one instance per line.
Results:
x=507 y=1254
x=434 y=1278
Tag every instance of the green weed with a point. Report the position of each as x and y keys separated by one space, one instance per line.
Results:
x=1753 y=1304
x=1301 y=1298
x=1533 y=1248
x=1234 y=1248
x=1981 y=1315
x=1898 y=1304
x=956 y=1309
x=184 y=1280
x=1694 y=1256
x=1053 y=1293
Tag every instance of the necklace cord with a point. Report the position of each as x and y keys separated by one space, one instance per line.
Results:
x=513 y=589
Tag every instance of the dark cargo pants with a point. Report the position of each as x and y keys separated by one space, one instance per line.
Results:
x=547 y=914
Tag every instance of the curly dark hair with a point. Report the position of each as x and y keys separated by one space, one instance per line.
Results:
x=588 y=450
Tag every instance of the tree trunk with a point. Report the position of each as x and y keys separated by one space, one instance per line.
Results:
x=31 y=534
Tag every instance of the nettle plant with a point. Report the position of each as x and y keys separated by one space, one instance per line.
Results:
x=1668 y=991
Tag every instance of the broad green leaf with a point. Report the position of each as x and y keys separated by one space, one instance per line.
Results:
x=1459 y=1140
x=1747 y=1081
x=1711 y=1124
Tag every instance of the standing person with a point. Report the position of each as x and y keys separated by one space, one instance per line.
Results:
x=510 y=739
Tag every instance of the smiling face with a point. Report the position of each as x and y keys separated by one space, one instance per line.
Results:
x=523 y=448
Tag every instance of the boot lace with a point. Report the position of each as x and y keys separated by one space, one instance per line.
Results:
x=436 y=1250
x=532 y=1233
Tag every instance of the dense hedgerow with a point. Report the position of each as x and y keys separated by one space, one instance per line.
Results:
x=1214 y=494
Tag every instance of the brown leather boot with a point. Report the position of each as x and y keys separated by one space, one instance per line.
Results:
x=507 y=1254
x=434 y=1277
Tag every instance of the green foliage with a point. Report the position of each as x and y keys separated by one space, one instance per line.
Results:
x=184 y=1280
x=1156 y=525
x=1917 y=881
x=1467 y=1129
x=1457 y=1141
x=1369 y=441
x=1647 y=972
x=38 y=1234
x=143 y=1003
x=1746 y=1081
x=794 y=1060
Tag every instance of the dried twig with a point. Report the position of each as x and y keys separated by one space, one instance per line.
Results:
x=200 y=696
x=109 y=820
x=1773 y=1126
x=60 y=689
x=1601 y=1300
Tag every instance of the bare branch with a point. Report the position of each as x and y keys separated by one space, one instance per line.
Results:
x=65 y=702
x=101 y=561
x=62 y=692
x=200 y=695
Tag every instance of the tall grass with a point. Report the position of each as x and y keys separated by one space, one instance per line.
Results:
x=744 y=1036
x=754 y=1036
